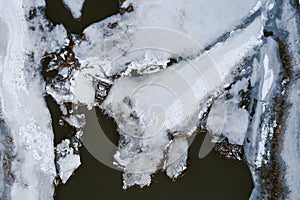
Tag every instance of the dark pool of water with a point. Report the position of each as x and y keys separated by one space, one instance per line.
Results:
x=210 y=178
x=92 y=11
x=60 y=132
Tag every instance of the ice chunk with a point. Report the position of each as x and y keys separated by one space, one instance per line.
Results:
x=177 y=157
x=82 y=87
x=67 y=161
x=67 y=165
x=75 y=7
x=77 y=121
x=233 y=126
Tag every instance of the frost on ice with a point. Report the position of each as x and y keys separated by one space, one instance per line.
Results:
x=228 y=70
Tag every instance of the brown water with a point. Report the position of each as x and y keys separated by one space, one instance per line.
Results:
x=211 y=178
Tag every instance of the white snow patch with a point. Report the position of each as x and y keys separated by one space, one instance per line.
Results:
x=226 y=55
x=82 y=88
x=256 y=7
x=270 y=4
x=78 y=121
x=75 y=7
x=268 y=77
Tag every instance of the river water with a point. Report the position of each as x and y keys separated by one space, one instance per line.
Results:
x=210 y=178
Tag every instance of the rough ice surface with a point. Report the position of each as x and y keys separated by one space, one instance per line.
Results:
x=24 y=110
x=228 y=119
x=177 y=155
x=145 y=121
x=74 y=6
x=243 y=84
x=232 y=70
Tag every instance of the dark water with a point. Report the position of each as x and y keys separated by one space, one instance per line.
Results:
x=92 y=11
x=211 y=178
x=61 y=132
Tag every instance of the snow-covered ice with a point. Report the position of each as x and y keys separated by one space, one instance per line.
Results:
x=68 y=161
x=33 y=168
x=177 y=157
x=226 y=118
x=75 y=7
x=144 y=119
x=153 y=75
